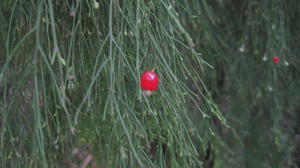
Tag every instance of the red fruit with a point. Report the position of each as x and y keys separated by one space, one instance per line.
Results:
x=149 y=80
x=275 y=59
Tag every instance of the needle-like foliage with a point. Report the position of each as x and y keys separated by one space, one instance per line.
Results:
x=70 y=81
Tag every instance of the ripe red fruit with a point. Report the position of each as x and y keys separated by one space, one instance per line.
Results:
x=149 y=80
x=275 y=59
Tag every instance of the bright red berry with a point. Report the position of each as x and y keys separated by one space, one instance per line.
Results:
x=275 y=59
x=149 y=80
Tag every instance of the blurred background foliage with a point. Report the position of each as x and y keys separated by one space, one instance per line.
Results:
x=70 y=95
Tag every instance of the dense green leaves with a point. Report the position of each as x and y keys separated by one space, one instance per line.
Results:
x=69 y=79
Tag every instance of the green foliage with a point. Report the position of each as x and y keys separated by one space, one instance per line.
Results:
x=257 y=96
x=69 y=77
